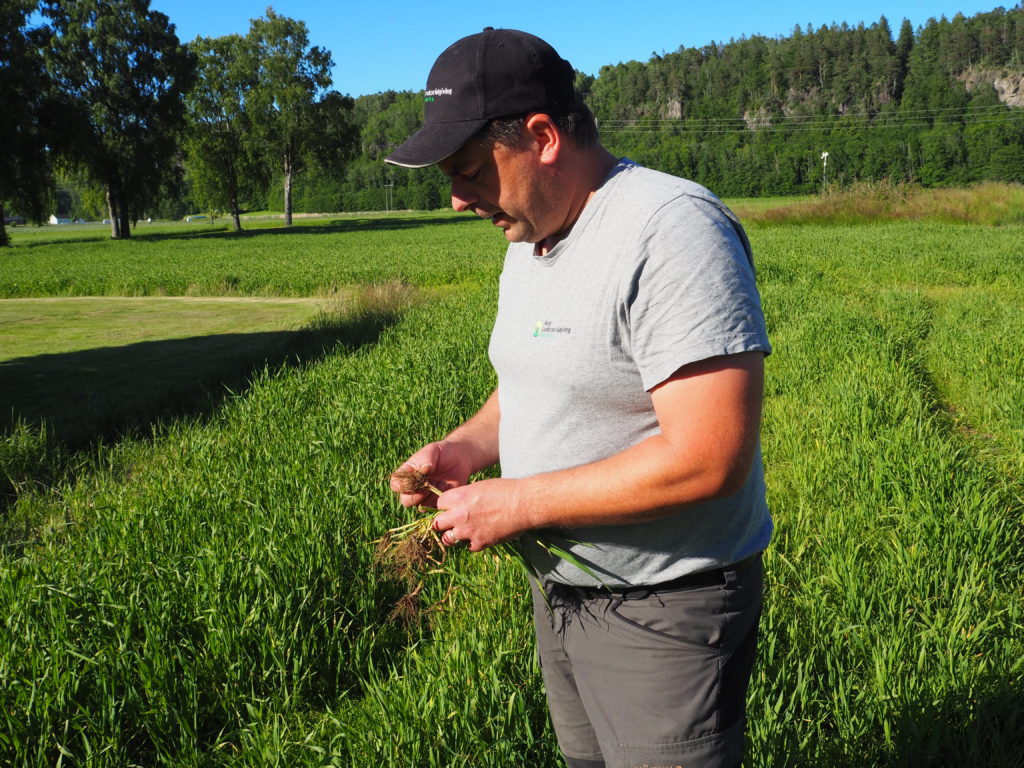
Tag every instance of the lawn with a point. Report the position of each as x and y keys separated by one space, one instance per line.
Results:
x=29 y=327
x=84 y=365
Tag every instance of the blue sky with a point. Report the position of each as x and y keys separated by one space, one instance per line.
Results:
x=391 y=44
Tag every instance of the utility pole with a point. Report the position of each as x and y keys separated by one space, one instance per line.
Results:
x=824 y=169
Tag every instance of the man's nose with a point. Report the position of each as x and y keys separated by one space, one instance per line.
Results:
x=462 y=198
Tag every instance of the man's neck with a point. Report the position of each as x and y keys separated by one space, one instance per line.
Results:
x=543 y=248
x=591 y=168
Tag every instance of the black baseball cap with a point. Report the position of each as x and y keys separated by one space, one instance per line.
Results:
x=494 y=73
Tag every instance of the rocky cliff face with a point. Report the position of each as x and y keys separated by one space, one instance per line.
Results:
x=1009 y=85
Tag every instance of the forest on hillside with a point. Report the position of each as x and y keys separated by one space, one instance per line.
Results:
x=250 y=122
x=939 y=105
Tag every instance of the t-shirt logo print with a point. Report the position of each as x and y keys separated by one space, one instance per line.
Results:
x=546 y=329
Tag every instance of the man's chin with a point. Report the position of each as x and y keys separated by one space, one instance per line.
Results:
x=510 y=235
x=512 y=232
x=516 y=234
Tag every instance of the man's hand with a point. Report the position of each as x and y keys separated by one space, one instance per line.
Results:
x=445 y=466
x=481 y=514
x=448 y=463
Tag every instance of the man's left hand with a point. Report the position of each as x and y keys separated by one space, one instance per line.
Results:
x=481 y=514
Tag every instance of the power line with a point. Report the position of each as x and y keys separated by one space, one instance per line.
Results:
x=934 y=112
x=837 y=123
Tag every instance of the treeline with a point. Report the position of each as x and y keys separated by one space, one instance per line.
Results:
x=755 y=116
x=936 y=106
x=107 y=113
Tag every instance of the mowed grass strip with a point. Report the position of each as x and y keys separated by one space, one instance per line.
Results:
x=89 y=368
x=49 y=326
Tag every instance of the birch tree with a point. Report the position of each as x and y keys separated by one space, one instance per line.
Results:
x=292 y=78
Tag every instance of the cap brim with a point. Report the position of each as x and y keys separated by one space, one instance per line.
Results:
x=433 y=143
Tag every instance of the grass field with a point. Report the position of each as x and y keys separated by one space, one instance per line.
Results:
x=57 y=325
x=200 y=589
x=179 y=259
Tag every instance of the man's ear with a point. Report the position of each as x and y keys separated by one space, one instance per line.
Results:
x=544 y=136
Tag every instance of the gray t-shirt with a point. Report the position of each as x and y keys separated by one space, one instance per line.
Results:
x=655 y=274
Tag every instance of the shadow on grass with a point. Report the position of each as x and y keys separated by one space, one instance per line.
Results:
x=82 y=399
x=322 y=227
x=981 y=726
x=333 y=227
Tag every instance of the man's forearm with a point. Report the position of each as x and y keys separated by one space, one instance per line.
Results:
x=644 y=482
x=710 y=422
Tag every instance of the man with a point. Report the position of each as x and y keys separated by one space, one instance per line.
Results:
x=629 y=346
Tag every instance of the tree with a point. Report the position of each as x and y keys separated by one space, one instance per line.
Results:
x=334 y=137
x=904 y=45
x=25 y=172
x=391 y=118
x=291 y=80
x=227 y=162
x=124 y=74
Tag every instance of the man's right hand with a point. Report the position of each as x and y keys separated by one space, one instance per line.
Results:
x=445 y=466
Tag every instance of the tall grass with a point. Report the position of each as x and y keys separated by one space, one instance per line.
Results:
x=974 y=352
x=208 y=597
x=893 y=637
x=223 y=571
x=47 y=442
x=989 y=203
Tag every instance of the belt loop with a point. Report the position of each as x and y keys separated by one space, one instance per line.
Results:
x=732 y=574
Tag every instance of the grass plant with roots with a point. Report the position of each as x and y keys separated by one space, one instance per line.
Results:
x=413 y=551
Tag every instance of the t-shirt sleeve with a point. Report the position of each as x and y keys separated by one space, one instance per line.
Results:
x=692 y=293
